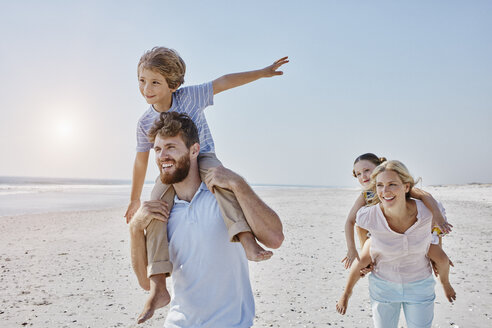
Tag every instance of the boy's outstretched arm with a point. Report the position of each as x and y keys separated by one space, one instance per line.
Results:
x=264 y=222
x=233 y=80
x=429 y=201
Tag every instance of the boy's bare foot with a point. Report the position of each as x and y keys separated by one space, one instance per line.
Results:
x=449 y=292
x=254 y=252
x=159 y=297
x=342 y=303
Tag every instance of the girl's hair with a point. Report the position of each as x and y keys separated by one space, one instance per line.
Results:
x=369 y=157
x=395 y=166
x=166 y=62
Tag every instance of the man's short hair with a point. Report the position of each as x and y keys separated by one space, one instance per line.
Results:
x=170 y=124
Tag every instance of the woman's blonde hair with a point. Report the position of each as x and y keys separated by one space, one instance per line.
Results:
x=166 y=62
x=395 y=166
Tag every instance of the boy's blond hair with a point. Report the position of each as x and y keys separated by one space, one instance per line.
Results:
x=165 y=61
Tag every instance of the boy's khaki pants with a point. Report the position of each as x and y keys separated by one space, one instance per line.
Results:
x=156 y=231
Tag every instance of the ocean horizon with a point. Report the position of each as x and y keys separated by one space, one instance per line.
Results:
x=33 y=195
x=21 y=195
x=27 y=180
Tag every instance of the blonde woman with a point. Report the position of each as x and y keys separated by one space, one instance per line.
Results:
x=400 y=239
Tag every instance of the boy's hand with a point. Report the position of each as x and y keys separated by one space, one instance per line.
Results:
x=349 y=259
x=234 y=80
x=271 y=70
x=132 y=209
x=153 y=209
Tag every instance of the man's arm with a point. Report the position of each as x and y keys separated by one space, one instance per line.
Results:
x=154 y=209
x=230 y=81
x=264 y=222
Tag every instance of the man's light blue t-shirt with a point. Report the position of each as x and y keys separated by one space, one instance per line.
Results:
x=210 y=275
x=190 y=100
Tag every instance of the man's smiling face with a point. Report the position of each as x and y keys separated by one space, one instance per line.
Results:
x=173 y=158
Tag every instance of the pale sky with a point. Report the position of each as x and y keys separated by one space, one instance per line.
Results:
x=409 y=80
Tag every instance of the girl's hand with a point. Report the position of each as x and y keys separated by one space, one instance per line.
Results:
x=439 y=220
x=349 y=259
x=132 y=209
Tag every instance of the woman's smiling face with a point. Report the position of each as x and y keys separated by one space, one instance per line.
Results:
x=390 y=189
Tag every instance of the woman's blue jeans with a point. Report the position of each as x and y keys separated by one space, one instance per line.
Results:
x=416 y=298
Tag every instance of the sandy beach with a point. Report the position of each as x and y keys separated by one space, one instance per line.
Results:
x=72 y=269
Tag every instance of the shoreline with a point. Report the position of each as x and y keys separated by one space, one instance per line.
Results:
x=65 y=198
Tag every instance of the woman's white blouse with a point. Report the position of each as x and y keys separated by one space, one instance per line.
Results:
x=398 y=257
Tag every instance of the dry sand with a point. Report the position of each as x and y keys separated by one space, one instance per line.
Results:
x=73 y=269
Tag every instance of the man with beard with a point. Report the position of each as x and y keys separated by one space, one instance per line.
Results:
x=210 y=274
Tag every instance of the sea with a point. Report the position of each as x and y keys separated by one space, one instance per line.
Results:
x=31 y=195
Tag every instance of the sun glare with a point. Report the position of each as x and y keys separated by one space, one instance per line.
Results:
x=64 y=129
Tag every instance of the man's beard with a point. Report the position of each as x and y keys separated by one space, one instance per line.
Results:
x=181 y=169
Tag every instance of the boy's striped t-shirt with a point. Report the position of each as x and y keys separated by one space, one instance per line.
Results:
x=190 y=100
